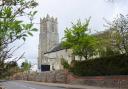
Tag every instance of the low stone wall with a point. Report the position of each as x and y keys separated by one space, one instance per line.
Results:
x=120 y=82
x=50 y=76
x=62 y=76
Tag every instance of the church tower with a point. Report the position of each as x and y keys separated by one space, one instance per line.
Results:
x=48 y=37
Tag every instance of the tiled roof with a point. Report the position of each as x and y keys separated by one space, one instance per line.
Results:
x=58 y=47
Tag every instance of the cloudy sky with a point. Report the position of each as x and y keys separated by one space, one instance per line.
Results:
x=68 y=11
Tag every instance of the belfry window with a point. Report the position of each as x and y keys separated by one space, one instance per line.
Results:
x=45 y=26
x=52 y=27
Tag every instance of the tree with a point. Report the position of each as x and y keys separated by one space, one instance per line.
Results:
x=26 y=66
x=12 y=27
x=120 y=27
x=107 y=43
x=79 y=40
x=8 y=69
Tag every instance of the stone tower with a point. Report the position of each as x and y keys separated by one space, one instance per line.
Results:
x=48 y=37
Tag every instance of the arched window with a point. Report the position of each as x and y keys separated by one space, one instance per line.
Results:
x=52 y=28
x=45 y=26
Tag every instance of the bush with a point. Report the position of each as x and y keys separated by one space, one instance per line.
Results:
x=112 y=65
x=65 y=63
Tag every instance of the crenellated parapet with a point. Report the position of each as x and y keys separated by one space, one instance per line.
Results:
x=48 y=18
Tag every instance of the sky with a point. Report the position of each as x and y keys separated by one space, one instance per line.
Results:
x=68 y=11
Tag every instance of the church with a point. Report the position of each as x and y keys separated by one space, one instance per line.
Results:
x=50 y=51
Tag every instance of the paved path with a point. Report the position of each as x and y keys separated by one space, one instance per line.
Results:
x=23 y=85
x=67 y=86
x=40 y=85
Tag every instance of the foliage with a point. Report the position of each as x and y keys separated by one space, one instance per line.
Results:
x=12 y=27
x=26 y=66
x=9 y=69
x=120 y=28
x=110 y=45
x=79 y=40
x=65 y=63
x=111 y=65
x=114 y=40
x=107 y=43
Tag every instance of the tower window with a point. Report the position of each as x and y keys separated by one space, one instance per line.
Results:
x=52 y=28
x=45 y=26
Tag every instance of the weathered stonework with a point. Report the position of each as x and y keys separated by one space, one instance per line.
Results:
x=119 y=82
x=62 y=76
x=51 y=77
x=50 y=51
x=48 y=38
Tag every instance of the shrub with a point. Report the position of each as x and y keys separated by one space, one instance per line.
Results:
x=111 y=65
x=65 y=63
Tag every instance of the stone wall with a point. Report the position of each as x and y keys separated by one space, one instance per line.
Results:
x=63 y=76
x=120 y=82
x=50 y=76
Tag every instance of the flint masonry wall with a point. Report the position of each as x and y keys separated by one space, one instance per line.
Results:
x=50 y=76
x=62 y=76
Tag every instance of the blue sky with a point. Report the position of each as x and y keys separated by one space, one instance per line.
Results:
x=68 y=11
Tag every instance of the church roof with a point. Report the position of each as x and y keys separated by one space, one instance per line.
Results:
x=58 y=47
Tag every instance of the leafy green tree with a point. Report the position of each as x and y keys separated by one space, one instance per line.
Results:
x=79 y=40
x=107 y=43
x=16 y=22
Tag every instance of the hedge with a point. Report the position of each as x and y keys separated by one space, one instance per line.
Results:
x=112 y=65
